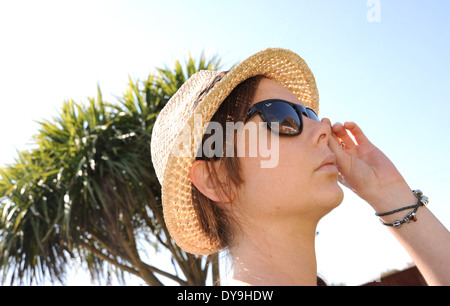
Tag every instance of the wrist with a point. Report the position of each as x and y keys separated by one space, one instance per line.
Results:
x=421 y=200
x=393 y=197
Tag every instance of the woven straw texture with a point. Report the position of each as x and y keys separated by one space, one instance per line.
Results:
x=175 y=139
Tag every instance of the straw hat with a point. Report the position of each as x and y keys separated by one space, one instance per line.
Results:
x=176 y=138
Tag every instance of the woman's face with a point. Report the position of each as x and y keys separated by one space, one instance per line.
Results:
x=297 y=185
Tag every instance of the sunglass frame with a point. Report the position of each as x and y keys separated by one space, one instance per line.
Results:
x=299 y=109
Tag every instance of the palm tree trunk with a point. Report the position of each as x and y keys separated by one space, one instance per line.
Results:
x=215 y=269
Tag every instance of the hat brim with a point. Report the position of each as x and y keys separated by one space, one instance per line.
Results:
x=281 y=65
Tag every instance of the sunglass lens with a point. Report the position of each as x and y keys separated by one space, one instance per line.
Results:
x=283 y=114
x=312 y=115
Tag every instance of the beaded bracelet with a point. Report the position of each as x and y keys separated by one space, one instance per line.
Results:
x=411 y=216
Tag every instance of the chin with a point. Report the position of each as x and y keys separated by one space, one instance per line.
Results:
x=329 y=197
x=338 y=195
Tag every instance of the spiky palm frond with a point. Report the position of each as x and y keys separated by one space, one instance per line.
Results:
x=89 y=189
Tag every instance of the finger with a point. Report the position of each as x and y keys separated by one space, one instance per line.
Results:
x=341 y=156
x=327 y=121
x=342 y=180
x=343 y=160
x=340 y=131
x=334 y=145
x=356 y=132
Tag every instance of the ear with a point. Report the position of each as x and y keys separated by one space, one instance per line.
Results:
x=201 y=177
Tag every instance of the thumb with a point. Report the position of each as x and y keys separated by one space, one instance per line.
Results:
x=343 y=159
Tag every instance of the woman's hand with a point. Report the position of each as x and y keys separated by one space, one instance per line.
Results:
x=371 y=175
x=366 y=170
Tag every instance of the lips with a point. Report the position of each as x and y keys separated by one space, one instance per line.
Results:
x=328 y=164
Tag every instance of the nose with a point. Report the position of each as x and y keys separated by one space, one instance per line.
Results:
x=321 y=132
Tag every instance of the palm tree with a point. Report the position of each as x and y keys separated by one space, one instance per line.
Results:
x=88 y=190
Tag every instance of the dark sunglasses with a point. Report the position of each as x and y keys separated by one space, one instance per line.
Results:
x=288 y=115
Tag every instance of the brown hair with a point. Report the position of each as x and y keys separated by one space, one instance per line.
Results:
x=214 y=220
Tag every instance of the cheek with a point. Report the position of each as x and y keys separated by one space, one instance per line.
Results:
x=294 y=172
x=293 y=184
x=274 y=169
x=291 y=176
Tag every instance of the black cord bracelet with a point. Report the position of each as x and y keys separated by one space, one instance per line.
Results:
x=411 y=216
x=421 y=200
x=397 y=210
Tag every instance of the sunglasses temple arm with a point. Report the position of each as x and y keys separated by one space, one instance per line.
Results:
x=251 y=113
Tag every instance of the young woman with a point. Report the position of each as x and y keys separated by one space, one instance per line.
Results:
x=267 y=216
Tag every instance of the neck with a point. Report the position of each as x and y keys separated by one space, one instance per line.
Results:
x=277 y=254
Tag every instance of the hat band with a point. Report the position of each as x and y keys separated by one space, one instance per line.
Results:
x=203 y=93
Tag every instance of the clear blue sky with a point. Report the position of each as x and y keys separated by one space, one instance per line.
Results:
x=392 y=77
